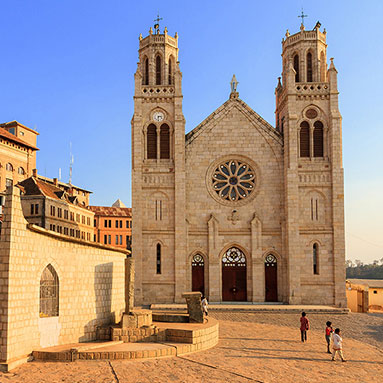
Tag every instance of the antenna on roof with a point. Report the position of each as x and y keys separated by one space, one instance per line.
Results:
x=71 y=160
x=59 y=174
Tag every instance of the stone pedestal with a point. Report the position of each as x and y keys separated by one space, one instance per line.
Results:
x=137 y=318
x=193 y=301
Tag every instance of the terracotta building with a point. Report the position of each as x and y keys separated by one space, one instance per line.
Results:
x=52 y=205
x=113 y=225
x=238 y=208
x=17 y=155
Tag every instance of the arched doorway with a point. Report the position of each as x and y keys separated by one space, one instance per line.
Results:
x=234 y=286
x=271 y=279
x=198 y=273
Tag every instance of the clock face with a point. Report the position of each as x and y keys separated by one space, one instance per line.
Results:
x=158 y=116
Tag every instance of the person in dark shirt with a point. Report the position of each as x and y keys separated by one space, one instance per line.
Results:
x=328 y=333
x=305 y=326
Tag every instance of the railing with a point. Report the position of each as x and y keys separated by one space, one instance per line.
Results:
x=312 y=87
x=156 y=90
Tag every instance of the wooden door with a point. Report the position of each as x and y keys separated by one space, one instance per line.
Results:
x=271 y=279
x=198 y=274
x=234 y=286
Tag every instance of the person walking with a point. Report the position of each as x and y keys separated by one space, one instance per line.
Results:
x=305 y=326
x=204 y=305
x=337 y=346
x=328 y=333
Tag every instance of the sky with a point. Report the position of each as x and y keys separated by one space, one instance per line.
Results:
x=67 y=71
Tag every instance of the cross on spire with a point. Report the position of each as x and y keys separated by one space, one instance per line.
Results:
x=302 y=16
x=157 y=22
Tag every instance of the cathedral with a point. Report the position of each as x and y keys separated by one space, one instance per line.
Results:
x=239 y=209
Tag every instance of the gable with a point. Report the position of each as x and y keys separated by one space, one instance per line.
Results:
x=234 y=105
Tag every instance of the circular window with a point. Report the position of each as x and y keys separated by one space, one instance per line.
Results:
x=233 y=180
x=234 y=257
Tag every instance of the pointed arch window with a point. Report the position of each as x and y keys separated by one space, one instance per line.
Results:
x=170 y=66
x=158 y=70
x=309 y=67
x=318 y=139
x=322 y=67
x=164 y=141
x=304 y=139
x=296 y=67
x=315 y=259
x=145 y=79
x=151 y=142
x=158 y=260
x=49 y=293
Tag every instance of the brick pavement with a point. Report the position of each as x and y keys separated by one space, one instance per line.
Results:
x=248 y=351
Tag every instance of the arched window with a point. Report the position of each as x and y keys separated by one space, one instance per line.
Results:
x=304 y=139
x=21 y=171
x=9 y=167
x=145 y=78
x=322 y=67
x=164 y=141
x=198 y=273
x=315 y=259
x=296 y=67
x=49 y=293
x=158 y=70
x=318 y=139
x=170 y=66
x=309 y=67
x=158 y=263
x=151 y=142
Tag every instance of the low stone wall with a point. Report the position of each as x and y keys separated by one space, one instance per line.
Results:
x=171 y=342
x=90 y=286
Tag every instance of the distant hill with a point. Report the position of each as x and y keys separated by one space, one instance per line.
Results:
x=373 y=271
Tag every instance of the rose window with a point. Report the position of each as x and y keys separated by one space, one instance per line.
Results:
x=233 y=180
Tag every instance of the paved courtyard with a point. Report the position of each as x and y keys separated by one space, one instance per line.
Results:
x=252 y=348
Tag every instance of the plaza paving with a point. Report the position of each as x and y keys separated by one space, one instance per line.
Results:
x=252 y=348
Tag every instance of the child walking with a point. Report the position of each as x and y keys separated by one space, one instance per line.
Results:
x=305 y=326
x=337 y=345
x=328 y=333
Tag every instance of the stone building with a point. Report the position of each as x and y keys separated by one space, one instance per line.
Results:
x=237 y=208
x=56 y=207
x=17 y=155
x=113 y=225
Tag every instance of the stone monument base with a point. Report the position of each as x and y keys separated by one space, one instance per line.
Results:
x=136 y=318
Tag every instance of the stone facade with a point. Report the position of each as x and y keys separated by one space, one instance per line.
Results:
x=264 y=218
x=89 y=287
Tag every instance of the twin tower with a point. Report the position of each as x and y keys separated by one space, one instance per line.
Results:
x=174 y=220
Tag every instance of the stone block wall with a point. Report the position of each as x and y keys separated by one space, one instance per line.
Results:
x=91 y=285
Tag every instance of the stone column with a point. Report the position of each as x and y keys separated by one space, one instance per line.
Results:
x=256 y=260
x=214 y=262
x=129 y=285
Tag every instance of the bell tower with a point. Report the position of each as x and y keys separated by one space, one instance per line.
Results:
x=158 y=170
x=307 y=115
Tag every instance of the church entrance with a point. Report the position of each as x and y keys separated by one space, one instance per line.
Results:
x=271 y=287
x=198 y=274
x=234 y=287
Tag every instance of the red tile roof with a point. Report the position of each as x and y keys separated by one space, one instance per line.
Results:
x=9 y=136
x=35 y=186
x=107 y=211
